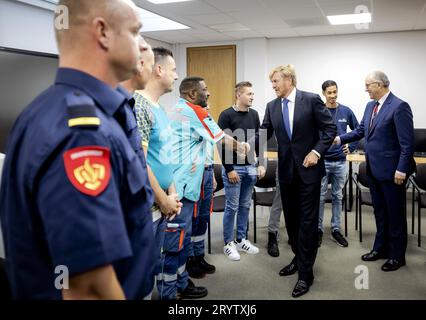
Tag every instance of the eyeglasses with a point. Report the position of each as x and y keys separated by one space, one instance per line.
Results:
x=367 y=85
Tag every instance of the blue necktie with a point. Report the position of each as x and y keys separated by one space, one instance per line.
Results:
x=286 y=118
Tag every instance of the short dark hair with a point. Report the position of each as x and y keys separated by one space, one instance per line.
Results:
x=328 y=83
x=241 y=85
x=189 y=83
x=160 y=53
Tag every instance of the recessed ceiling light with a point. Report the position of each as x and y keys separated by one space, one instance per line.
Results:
x=350 y=18
x=229 y=27
x=154 y=22
x=166 y=1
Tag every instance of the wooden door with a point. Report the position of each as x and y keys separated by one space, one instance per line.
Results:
x=217 y=65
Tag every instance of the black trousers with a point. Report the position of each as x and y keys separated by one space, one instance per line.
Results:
x=5 y=291
x=301 y=211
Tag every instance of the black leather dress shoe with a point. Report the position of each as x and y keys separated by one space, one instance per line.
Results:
x=289 y=270
x=373 y=256
x=301 y=287
x=273 y=249
x=192 y=292
x=204 y=265
x=393 y=264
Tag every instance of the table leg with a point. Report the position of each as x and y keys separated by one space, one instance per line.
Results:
x=351 y=196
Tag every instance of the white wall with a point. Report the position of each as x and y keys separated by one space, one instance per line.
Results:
x=347 y=59
x=344 y=58
x=26 y=27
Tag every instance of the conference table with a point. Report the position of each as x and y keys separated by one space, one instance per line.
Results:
x=351 y=158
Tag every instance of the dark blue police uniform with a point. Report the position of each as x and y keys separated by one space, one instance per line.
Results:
x=74 y=192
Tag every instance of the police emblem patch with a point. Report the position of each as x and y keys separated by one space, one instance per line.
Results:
x=88 y=168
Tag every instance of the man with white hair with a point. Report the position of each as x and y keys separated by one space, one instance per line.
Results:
x=388 y=129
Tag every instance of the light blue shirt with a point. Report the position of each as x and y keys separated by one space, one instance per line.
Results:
x=156 y=133
x=193 y=130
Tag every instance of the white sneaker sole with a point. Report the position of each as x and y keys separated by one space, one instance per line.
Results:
x=248 y=252
x=233 y=258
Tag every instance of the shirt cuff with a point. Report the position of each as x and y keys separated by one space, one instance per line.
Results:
x=248 y=146
x=317 y=153
x=401 y=173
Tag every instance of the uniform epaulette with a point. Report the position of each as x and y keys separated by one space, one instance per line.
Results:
x=81 y=111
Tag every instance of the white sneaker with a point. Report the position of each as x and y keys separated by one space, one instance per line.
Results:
x=246 y=246
x=231 y=251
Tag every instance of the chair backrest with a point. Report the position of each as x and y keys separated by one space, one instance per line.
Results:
x=420 y=176
x=269 y=180
x=362 y=174
x=272 y=144
x=218 y=176
x=420 y=141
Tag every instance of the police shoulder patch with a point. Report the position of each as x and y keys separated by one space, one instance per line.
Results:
x=88 y=168
x=81 y=111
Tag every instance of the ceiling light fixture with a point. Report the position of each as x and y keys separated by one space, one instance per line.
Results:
x=350 y=18
x=166 y=1
x=229 y=27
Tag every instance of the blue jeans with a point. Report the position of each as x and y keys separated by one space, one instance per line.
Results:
x=238 y=201
x=335 y=175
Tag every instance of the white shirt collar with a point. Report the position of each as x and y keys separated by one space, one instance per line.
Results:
x=235 y=107
x=292 y=96
x=383 y=99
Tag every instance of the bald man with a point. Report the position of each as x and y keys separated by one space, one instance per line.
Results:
x=75 y=197
x=146 y=64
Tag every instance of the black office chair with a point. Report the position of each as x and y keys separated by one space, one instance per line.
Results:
x=272 y=144
x=363 y=196
x=419 y=184
x=264 y=198
x=420 y=142
x=360 y=148
x=218 y=201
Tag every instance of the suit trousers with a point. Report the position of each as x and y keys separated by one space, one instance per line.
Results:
x=276 y=209
x=389 y=202
x=301 y=213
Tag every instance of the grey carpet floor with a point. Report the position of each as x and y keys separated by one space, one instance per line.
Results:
x=256 y=276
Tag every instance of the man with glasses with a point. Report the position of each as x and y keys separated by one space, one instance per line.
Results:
x=387 y=126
